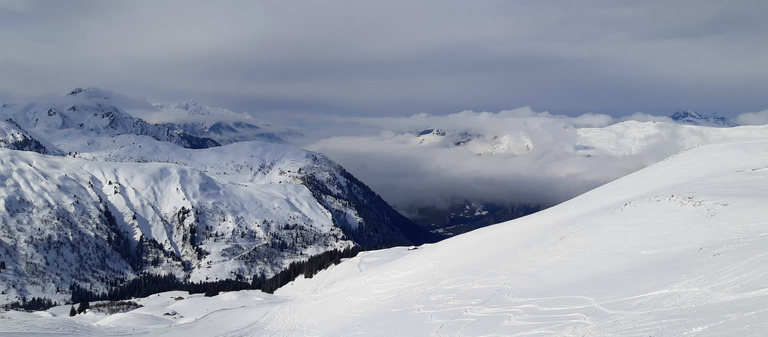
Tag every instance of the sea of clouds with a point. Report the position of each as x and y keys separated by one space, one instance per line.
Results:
x=545 y=158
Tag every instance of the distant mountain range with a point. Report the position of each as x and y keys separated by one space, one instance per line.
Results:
x=691 y=117
x=221 y=125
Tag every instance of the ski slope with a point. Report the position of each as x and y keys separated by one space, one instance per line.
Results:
x=676 y=249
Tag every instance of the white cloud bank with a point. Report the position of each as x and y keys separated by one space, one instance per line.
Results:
x=753 y=118
x=514 y=156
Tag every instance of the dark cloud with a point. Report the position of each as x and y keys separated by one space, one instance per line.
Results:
x=396 y=57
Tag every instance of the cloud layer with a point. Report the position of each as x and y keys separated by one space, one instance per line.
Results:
x=515 y=156
x=407 y=171
x=753 y=118
x=396 y=58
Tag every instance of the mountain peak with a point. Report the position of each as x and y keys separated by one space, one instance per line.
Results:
x=76 y=91
x=436 y=132
x=193 y=107
x=691 y=117
x=90 y=93
x=686 y=113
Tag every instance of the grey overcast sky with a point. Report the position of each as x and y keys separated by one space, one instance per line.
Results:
x=395 y=58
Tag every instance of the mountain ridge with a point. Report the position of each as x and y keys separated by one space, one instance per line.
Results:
x=691 y=117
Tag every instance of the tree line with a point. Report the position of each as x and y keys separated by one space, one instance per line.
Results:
x=147 y=284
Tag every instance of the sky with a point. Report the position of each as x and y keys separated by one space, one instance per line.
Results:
x=396 y=58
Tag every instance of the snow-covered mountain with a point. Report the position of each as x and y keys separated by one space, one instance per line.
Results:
x=132 y=197
x=223 y=125
x=90 y=112
x=675 y=249
x=521 y=140
x=690 y=117
x=514 y=144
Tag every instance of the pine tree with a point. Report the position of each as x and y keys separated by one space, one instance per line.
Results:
x=72 y=311
x=83 y=307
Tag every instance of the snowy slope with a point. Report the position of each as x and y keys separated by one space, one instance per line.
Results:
x=677 y=249
x=13 y=137
x=657 y=139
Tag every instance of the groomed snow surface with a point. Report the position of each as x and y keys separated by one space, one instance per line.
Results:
x=676 y=249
